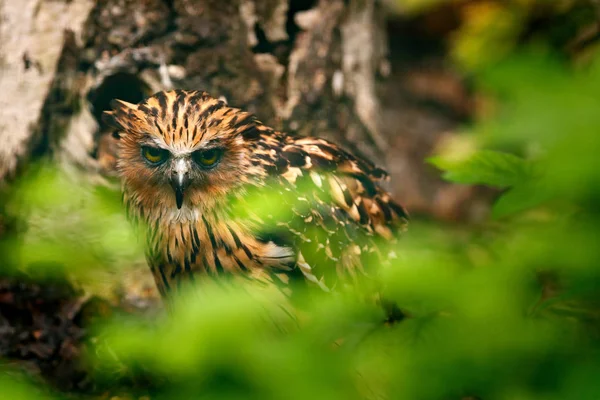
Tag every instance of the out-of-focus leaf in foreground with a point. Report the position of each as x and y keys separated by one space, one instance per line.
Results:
x=69 y=224
x=485 y=167
x=13 y=387
x=239 y=341
x=527 y=296
x=549 y=112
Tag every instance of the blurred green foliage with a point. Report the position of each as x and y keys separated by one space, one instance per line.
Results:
x=70 y=222
x=14 y=387
x=506 y=310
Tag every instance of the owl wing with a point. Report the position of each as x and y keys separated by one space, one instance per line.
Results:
x=335 y=215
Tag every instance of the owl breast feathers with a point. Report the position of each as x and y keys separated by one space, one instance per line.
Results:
x=219 y=193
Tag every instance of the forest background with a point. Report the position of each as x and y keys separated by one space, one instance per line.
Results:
x=485 y=113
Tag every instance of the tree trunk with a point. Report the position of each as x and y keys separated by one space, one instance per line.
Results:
x=300 y=67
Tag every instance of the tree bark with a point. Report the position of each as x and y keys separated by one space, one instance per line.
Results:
x=307 y=70
x=32 y=33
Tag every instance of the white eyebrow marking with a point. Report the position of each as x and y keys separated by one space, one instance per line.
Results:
x=158 y=141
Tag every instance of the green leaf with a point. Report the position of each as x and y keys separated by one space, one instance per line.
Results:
x=524 y=196
x=484 y=167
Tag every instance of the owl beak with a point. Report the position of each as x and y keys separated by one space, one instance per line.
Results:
x=179 y=182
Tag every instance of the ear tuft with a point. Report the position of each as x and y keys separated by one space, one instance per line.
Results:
x=117 y=104
x=110 y=119
x=117 y=117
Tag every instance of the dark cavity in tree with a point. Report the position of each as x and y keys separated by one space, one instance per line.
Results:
x=122 y=86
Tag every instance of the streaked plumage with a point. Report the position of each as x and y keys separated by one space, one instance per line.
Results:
x=272 y=207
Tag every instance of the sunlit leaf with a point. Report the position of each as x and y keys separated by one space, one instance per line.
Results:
x=485 y=168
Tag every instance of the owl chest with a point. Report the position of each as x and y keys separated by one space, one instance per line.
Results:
x=188 y=249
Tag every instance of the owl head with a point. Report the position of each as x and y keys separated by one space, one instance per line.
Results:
x=181 y=149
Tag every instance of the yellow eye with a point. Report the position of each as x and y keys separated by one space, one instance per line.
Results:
x=208 y=158
x=154 y=154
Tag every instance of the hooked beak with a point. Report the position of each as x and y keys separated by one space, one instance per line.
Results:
x=179 y=182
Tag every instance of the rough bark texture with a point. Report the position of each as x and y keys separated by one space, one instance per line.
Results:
x=32 y=33
x=307 y=72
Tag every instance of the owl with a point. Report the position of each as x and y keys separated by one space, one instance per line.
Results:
x=218 y=193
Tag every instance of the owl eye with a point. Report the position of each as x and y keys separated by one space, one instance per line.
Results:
x=154 y=155
x=208 y=158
